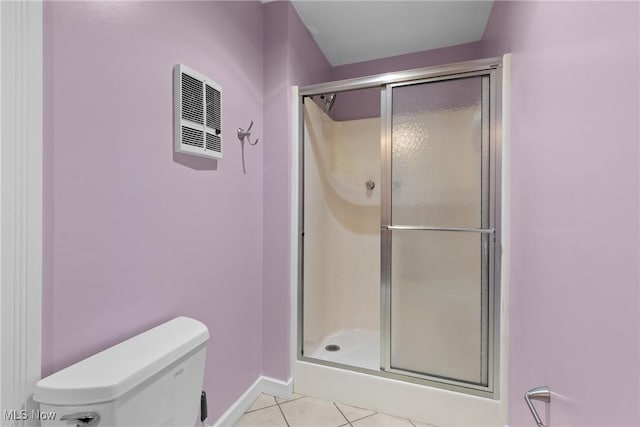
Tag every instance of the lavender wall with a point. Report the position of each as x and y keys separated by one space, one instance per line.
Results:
x=291 y=58
x=135 y=234
x=575 y=236
x=427 y=58
x=365 y=103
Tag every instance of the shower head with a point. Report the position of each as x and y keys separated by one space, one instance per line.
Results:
x=328 y=101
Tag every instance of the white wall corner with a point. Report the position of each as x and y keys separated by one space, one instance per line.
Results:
x=21 y=60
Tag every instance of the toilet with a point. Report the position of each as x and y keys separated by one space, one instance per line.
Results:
x=152 y=379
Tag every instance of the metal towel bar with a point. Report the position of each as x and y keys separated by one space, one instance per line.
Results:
x=422 y=228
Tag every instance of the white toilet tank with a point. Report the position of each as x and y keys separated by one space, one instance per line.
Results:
x=152 y=379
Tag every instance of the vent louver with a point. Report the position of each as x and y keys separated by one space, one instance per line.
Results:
x=213 y=108
x=213 y=142
x=192 y=137
x=198 y=118
x=191 y=99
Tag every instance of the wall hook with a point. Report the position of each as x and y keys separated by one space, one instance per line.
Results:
x=242 y=134
x=539 y=393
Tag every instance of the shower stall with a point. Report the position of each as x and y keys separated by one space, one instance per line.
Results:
x=399 y=226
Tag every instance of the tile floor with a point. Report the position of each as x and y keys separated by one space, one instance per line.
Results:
x=306 y=411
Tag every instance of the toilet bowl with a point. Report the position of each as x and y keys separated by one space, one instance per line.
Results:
x=152 y=379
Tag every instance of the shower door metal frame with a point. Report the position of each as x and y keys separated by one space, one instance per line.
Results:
x=490 y=233
x=491 y=67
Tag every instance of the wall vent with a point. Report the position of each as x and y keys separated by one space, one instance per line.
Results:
x=197 y=111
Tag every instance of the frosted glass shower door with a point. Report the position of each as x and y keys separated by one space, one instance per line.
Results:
x=437 y=230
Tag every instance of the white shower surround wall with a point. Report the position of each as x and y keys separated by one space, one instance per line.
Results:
x=431 y=405
x=342 y=228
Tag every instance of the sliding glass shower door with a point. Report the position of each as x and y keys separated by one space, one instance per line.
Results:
x=438 y=230
x=399 y=226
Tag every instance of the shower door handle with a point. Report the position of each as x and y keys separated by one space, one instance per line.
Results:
x=542 y=394
x=425 y=228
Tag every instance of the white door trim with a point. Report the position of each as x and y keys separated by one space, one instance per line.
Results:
x=21 y=61
x=294 y=161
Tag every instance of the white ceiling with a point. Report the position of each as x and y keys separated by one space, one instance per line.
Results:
x=355 y=31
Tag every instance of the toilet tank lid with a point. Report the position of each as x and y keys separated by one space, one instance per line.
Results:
x=109 y=374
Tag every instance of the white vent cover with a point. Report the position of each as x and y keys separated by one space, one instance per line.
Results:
x=197 y=112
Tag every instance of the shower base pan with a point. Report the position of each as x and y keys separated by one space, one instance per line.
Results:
x=357 y=347
x=360 y=349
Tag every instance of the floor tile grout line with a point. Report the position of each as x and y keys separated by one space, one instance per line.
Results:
x=342 y=413
x=366 y=416
x=260 y=409
x=348 y=422
x=290 y=400
x=283 y=415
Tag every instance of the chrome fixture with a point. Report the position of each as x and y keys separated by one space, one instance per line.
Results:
x=82 y=418
x=242 y=134
x=425 y=228
x=542 y=394
x=328 y=101
x=370 y=185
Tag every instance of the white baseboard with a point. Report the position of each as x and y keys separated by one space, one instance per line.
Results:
x=244 y=402
x=261 y=385
x=276 y=388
